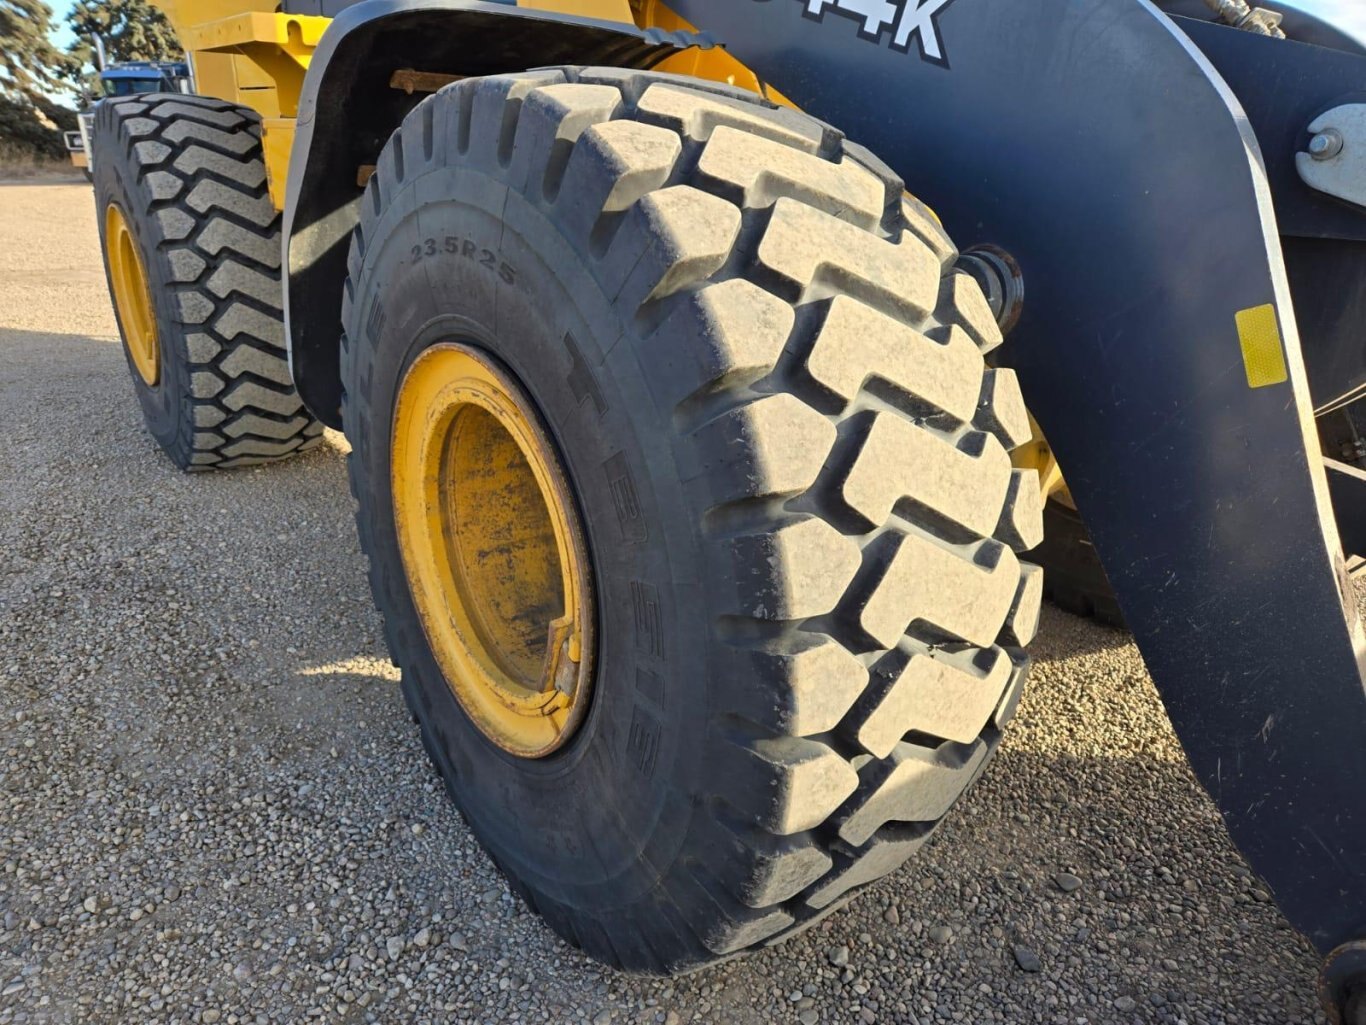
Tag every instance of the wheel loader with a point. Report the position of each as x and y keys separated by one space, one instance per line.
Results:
x=705 y=365
x=122 y=78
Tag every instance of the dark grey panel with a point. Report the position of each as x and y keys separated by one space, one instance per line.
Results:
x=1092 y=141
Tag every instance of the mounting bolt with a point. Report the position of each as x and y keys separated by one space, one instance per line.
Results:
x=1326 y=145
x=1002 y=283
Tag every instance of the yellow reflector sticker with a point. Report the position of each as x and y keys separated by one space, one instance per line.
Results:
x=1260 y=336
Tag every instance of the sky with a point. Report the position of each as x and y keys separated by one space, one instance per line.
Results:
x=1348 y=15
x=63 y=36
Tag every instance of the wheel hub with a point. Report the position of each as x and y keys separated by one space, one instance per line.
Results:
x=493 y=550
x=1342 y=984
x=132 y=297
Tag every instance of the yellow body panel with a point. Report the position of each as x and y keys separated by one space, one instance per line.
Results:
x=277 y=139
x=1037 y=455
x=607 y=10
x=715 y=65
x=270 y=55
x=248 y=52
x=79 y=159
x=244 y=52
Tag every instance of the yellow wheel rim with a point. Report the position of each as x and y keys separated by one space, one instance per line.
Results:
x=492 y=550
x=132 y=298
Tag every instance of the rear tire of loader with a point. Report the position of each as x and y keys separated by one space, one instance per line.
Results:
x=192 y=254
x=1354 y=1012
x=1074 y=579
x=763 y=384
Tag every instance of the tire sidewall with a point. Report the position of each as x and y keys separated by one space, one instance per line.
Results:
x=613 y=808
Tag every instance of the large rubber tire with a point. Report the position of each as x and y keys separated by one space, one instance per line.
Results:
x=1354 y=1012
x=766 y=384
x=187 y=172
x=1074 y=579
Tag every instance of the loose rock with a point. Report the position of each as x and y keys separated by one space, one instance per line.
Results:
x=1027 y=959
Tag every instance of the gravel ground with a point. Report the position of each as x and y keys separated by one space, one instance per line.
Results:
x=214 y=808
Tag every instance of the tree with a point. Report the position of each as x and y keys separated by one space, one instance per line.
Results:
x=27 y=129
x=29 y=64
x=132 y=30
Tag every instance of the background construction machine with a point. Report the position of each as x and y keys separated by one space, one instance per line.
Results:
x=121 y=78
x=680 y=430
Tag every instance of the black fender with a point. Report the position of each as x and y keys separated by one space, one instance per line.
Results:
x=347 y=111
x=1095 y=142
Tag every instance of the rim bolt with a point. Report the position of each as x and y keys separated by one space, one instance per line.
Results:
x=1326 y=144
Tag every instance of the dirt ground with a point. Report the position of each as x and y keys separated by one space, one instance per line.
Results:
x=214 y=807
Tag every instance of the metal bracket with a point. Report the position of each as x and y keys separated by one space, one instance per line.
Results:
x=1001 y=280
x=1335 y=160
x=1347 y=486
x=1240 y=15
x=1342 y=980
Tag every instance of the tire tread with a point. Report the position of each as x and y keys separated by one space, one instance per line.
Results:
x=200 y=170
x=824 y=313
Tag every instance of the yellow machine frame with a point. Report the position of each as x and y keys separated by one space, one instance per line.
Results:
x=246 y=52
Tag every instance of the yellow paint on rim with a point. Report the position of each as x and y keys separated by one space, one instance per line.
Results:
x=132 y=297
x=492 y=550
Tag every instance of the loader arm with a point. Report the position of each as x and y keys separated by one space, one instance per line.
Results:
x=1158 y=350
